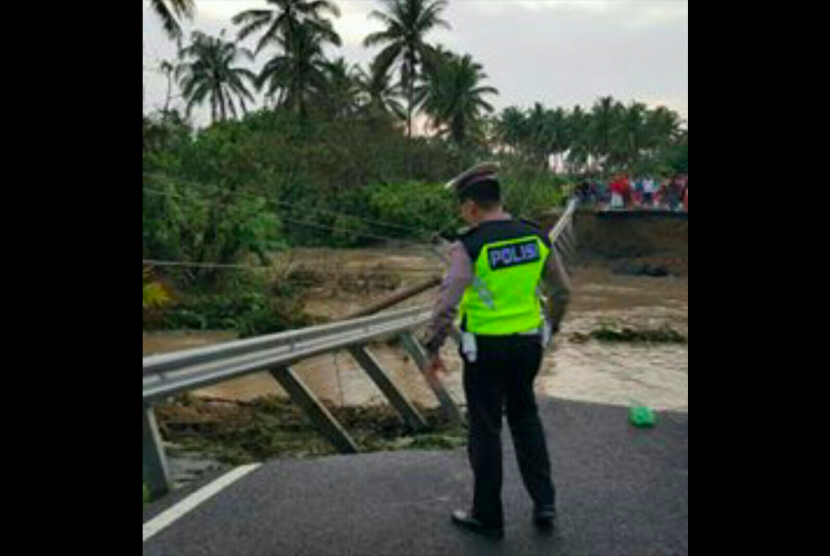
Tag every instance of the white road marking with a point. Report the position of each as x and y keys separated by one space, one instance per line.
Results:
x=173 y=513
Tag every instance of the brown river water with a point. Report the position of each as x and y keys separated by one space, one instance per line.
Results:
x=611 y=373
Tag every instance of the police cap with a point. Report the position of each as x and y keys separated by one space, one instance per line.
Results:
x=479 y=183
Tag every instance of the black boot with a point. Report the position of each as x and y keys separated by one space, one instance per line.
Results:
x=544 y=517
x=466 y=521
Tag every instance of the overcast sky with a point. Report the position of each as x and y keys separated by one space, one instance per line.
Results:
x=558 y=52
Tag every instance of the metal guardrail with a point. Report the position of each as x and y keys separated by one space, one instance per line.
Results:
x=223 y=368
x=563 y=235
x=565 y=221
x=156 y=364
x=166 y=375
x=171 y=374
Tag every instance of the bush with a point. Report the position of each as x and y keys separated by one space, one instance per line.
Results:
x=422 y=206
x=249 y=313
x=529 y=192
x=187 y=223
x=155 y=294
x=247 y=304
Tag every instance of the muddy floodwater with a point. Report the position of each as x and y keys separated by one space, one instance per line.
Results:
x=612 y=373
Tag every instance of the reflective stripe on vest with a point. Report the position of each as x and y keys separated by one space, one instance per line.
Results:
x=504 y=298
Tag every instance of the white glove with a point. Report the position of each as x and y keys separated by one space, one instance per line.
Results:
x=469 y=347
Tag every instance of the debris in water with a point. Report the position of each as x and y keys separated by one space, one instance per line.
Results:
x=235 y=433
x=664 y=335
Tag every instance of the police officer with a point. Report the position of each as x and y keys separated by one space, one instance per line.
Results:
x=496 y=270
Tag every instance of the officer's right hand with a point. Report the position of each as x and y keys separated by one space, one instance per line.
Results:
x=435 y=365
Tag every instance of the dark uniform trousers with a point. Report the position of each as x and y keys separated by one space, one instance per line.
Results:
x=501 y=381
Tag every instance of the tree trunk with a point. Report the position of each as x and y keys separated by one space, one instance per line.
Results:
x=222 y=103
x=409 y=69
x=167 y=99
x=409 y=95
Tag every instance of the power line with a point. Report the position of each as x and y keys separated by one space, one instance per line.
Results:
x=423 y=231
x=316 y=225
x=359 y=218
x=352 y=231
x=300 y=268
x=310 y=285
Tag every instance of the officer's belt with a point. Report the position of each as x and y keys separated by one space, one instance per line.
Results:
x=535 y=332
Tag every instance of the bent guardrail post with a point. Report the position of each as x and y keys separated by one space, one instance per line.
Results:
x=414 y=349
x=305 y=398
x=381 y=378
x=361 y=354
x=156 y=473
x=172 y=374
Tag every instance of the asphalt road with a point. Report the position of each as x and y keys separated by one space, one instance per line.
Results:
x=621 y=491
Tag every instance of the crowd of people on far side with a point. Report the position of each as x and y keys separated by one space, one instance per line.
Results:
x=640 y=193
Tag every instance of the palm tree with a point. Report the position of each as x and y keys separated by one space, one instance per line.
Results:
x=513 y=128
x=378 y=93
x=406 y=24
x=298 y=75
x=579 y=126
x=662 y=126
x=604 y=121
x=212 y=73
x=170 y=11
x=562 y=133
x=632 y=129
x=677 y=153
x=285 y=18
x=491 y=131
x=454 y=97
x=540 y=134
x=550 y=134
x=342 y=88
x=168 y=68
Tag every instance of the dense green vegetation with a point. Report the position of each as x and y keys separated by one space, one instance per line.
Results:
x=314 y=151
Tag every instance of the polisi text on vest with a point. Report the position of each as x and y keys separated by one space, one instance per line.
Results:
x=513 y=255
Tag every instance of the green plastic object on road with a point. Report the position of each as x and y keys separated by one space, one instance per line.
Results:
x=642 y=416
